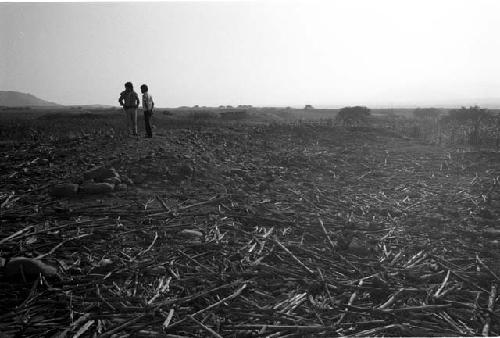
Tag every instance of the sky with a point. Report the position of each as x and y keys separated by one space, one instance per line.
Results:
x=263 y=53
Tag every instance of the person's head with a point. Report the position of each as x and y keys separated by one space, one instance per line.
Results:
x=129 y=86
x=144 y=88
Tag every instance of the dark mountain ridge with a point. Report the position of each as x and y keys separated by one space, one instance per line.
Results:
x=18 y=99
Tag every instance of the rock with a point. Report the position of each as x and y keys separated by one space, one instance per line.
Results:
x=126 y=179
x=359 y=247
x=96 y=188
x=29 y=267
x=190 y=234
x=490 y=232
x=113 y=180
x=185 y=170
x=485 y=213
x=64 y=190
x=99 y=174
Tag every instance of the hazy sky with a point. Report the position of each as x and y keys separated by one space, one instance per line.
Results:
x=336 y=52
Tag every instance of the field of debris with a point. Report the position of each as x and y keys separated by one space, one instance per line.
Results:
x=239 y=229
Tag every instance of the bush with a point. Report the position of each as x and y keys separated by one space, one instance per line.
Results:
x=235 y=115
x=203 y=115
x=472 y=114
x=353 y=116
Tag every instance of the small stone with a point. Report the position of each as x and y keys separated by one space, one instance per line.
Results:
x=191 y=234
x=104 y=262
x=64 y=190
x=96 y=188
x=99 y=174
x=103 y=266
x=29 y=267
x=121 y=187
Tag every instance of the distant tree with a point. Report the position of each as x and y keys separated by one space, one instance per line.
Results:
x=426 y=113
x=473 y=114
x=352 y=116
x=308 y=106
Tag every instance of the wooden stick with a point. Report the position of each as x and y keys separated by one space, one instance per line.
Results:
x=391 y=300
x=483 y=264
x=491 y=307
x=234 y=295
x=123 y=326
x=350 y=302
x=293 y=256
x=150 y=246
x=59 y=245
x=14 y=235
x=326 y=234
x=443 y=285
x=204 y=327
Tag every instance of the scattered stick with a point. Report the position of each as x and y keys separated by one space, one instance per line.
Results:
x=293 y=256
x=214 y=305
x=150 y=246
x=491 y=307
x=443 y=285
x=483 y=264
x=61 y=244
x=332 y=246
x=204 y=327
x=17 y=233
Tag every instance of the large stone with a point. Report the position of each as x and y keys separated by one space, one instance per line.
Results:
x=30 y=268
x=64 y=190
x=121 y=187
x=99 y=174
x=96 y=188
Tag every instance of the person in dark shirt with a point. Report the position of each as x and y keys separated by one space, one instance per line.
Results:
x=129 y=100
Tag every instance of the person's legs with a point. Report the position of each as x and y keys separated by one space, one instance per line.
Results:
x=147 y=123
x=128 y=117
x=134 y=120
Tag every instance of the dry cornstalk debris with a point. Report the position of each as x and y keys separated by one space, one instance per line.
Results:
x=234 y=248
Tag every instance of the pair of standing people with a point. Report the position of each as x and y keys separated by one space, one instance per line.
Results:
x=130 y=102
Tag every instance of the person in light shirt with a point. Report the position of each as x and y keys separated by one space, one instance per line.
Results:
x=147 y=105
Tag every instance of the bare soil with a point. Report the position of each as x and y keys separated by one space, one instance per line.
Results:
x=300 y=231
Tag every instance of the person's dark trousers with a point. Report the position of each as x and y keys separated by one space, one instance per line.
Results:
x=148 y=114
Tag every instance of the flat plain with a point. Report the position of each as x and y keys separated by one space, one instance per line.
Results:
x=250 y=227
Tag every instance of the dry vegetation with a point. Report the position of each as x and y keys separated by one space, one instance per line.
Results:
x=245 y=229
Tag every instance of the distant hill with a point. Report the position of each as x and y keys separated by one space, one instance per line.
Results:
x=18 y=99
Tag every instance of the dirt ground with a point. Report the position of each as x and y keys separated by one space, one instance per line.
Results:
x=291 y=231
